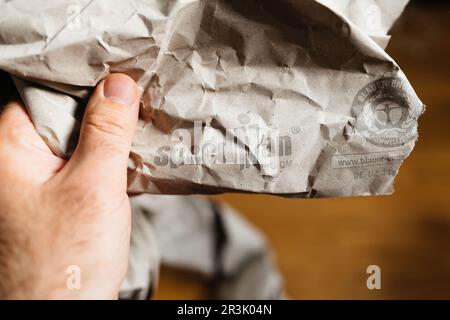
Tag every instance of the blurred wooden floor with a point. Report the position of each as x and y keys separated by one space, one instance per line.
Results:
x=323 y=247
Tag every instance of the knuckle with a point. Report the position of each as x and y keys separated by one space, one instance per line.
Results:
x=106 y=135
x=110 y=124
x=107 y=147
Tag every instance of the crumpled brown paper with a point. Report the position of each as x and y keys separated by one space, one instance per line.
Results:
x=212 y=241
x=291 y=97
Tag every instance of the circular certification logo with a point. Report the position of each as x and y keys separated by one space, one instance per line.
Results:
x=386 y=112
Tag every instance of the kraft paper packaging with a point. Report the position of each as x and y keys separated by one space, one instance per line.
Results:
x=289 y=97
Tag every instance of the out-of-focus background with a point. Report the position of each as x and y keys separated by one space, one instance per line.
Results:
x=323 y=247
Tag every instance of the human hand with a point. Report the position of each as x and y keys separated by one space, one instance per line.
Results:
x=56 y=213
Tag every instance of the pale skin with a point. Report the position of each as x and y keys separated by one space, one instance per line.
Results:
x=56 y=213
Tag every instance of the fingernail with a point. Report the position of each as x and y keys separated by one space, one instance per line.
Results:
x=120 y=88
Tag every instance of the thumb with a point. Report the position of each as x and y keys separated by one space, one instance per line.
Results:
x=106 y=132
